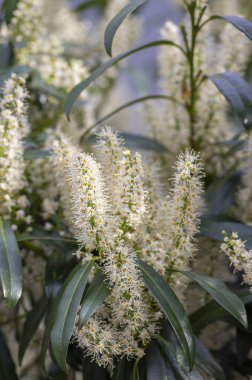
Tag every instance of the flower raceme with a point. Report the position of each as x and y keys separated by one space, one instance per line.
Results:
x=111 y=212
x=239 y=256
x=13 y=128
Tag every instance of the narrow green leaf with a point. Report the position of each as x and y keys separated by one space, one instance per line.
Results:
x=32 y=154
x=155 y=365
x=221 y=194
x=77 y=90
x=66 y=312
x=10 y=265
x=18 y=69
x=213 y=311
x=120 y=370
x=243 y=345
x=241 y=24
x=117 y=21
x=9 y=7
x=172 y=309
x=206 y=362
x=135 y=372
x=96 y=294
x=218 y=290
x=213 y=228
x=134 y=141
x=7 y=366
x=124 y=106
x=90 y=3
x=53 y=311
x=238 y=94
x=31 y=325
x=177 y=364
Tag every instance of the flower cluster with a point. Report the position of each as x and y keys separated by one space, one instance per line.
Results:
x=238 y=255
x=111 y=217
x=171 y=122
x=244 y=198
x=13 y=128
x=40 y=51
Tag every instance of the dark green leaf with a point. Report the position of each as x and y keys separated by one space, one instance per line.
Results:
x=91 y=370
x=18 y=69
x=241 y=24
x=238 y=94
x=32 y=154
x=77 y=90
x=117 y=21
x=120 y=370
x=66 y=312
x=206 y=362
x=155 y=364
x=10 y=265
x=212 y=312
x=96 y=294
x=31 y=325
x=124 y=106
x=221 y=194
x=48 y=329
x=243 y=345
x=172 y=309
x=177 y=363
x=8 y=7
x=58 y=266
x=7 y=366
x=133 y=141
x=218 y=290
x=135 y=372
x=213 y=228
x=53 y=311
x=90 y=3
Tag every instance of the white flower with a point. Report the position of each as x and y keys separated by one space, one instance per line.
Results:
x=124 y=175
x=13 y=128
x=238 y=255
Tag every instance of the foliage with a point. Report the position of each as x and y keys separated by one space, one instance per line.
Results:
x=106 y=270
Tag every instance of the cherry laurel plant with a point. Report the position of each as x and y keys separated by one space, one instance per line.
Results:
x=125 y=256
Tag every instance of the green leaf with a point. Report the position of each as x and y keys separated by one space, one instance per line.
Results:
x=213 y=311
x=10 y=265
x=58 y=266
x=135 y=372
x=177 y=364
x=172 y=309
x=120 y=370
x=221 y=194
x=218 y=290
x=117 y=21
x=31 y=325
x=133 y=141
x=66 y=312
x=33 y=154
x=18 y=69
x=48 y=329
x=77 y=90
x=90 y=3
x=155 y=365
x=243 y=345
x=51 y=318
x=241 y=24
x=124 y=106
x=206 y=362
x=7 y=366
x=238 y=94
x=96 y=294
x=9 y=7
x=212 y=228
